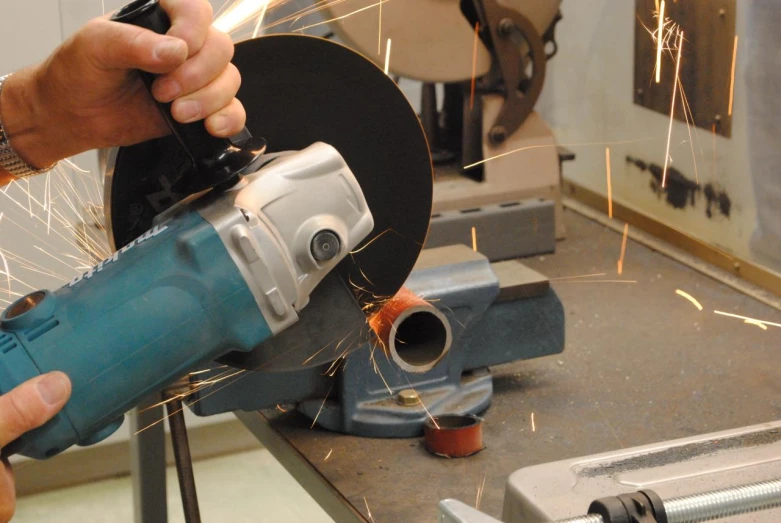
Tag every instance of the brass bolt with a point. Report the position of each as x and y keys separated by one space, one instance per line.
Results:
x=408 y=398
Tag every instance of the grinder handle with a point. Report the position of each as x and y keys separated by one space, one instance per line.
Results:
x=214 y=160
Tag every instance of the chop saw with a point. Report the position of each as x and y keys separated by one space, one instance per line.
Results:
x=496 y=158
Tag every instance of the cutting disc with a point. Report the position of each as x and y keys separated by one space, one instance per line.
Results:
x=299 y=90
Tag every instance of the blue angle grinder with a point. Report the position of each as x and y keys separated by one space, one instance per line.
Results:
x=222 y=245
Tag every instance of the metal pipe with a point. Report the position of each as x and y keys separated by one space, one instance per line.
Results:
x=184 y=462
x=712 y=505
x=415 y=334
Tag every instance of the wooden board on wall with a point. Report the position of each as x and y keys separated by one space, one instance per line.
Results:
x=706 y=60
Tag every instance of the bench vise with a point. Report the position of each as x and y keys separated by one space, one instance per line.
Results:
x=480 y=314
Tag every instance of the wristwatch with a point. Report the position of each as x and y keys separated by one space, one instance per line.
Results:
x=9 y=159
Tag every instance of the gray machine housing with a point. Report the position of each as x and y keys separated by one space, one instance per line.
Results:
x=565 y=489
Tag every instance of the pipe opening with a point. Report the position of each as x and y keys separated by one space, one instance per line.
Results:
x=420 y=338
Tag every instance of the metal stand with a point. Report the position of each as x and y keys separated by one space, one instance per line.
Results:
x=147 y=464
x=184 y=462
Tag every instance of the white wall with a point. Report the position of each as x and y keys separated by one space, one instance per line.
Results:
x=588 y=97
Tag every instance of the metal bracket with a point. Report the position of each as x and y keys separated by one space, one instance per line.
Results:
x=520 y=56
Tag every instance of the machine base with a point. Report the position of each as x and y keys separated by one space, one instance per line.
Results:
x=565 y=489
x=503 y=231
x=673 y=468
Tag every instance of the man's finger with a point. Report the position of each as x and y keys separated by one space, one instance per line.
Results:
x=32 y=404
x=210 y=99
x=227 y=121
x=113 y=46
x=190 y=21
x=199 y=71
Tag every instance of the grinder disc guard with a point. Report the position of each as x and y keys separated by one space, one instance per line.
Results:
x=298 y=90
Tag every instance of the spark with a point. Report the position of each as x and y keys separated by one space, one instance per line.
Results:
x=659 y=43
x=75 y=167
x=314 y=421
x=310 y=358
x=732 y=75
x=7 y=272
x=534 y=427
x=54 y=257
x=579 y=276
x=757 y=323
x=672 y=110
x=599 y=281
x=260 y=20
x=383 y=233
x=204 y=371
x=689 y=297
x=623 y=250
x=753 y=321
x=474 y=66
x=687 y=112
x=239 y=13
x=480 y=489
x=343 y=16
x=29 y=197
x=328 y=455
x=387 y=56
x=368 y=509
x=529 y=147
x=379 y=32
x=280 y=409
x=609 y=185
x=474 y=239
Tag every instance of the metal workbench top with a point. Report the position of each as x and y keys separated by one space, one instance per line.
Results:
x=641 y=365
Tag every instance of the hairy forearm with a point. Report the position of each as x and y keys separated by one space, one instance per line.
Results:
x=26 y=122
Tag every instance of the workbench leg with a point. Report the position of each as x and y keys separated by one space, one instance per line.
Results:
x=147 y=465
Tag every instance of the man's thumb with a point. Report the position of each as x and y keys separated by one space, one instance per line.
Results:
x=32 y=404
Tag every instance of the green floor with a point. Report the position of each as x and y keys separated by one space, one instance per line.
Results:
x=250 y=486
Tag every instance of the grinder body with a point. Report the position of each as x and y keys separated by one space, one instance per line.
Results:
x=159 y=306
x=220 y=273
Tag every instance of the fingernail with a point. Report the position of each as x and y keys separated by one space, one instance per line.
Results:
x=168 y=49
x=53 y=388
x=221 y=124
x=167 y=90
x=188 y=111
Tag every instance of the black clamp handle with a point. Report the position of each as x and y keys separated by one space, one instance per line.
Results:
x=215 y=161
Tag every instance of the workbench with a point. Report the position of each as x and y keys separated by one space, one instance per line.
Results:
x=641 y=365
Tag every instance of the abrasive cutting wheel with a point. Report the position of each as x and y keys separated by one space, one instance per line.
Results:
x=299 y=90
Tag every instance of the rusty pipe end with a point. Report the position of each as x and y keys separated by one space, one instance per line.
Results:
x=454 y=435
x=415 y=334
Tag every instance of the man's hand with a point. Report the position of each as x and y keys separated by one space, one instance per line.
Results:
x=87 y=96
x=27 y=407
